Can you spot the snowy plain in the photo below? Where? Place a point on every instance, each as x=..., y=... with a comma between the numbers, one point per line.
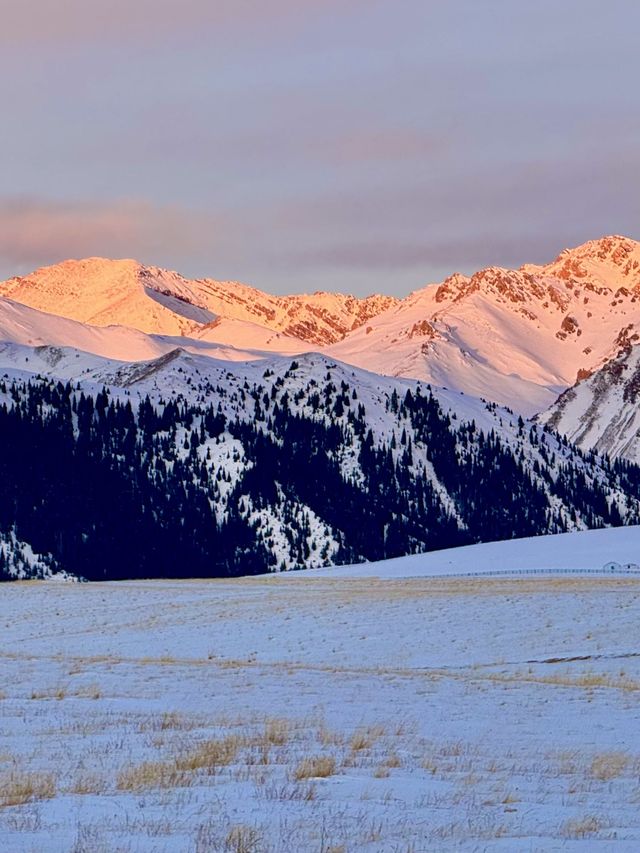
x=323, y=711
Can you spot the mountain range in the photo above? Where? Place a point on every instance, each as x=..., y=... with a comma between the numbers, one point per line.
x=480, y=407
x=517, y=337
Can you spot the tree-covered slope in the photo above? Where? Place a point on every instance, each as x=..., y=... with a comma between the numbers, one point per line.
x=185, y=469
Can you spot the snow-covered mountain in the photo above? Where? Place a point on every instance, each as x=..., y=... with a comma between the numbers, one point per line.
x=105, y=292
x=191, y=465
x=222, y=441
x=22, y=325
x=518, y=337
x=602, y=411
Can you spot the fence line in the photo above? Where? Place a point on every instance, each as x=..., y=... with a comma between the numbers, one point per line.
x=503, y=572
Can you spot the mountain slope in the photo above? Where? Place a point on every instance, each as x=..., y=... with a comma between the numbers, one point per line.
x=21, y=325
x=19, y=562
x=103, y=292
x=188, y=466
x=519, y=337
x=603, y=410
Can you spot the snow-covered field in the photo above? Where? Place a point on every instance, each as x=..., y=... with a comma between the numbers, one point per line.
x=323, y=712
x=584, y=551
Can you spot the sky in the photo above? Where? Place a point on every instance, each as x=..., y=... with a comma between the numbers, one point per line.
x=303, y=145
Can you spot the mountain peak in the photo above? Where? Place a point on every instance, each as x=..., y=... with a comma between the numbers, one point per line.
x=71, y=265
x=614, y=247
x=103, y=291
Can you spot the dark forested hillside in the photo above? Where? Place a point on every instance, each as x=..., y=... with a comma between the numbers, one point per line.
x=298, y=474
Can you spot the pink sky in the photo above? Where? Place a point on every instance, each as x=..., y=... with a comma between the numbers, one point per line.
x=355, y=145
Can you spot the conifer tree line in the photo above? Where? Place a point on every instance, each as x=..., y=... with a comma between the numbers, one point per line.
x=117, y=488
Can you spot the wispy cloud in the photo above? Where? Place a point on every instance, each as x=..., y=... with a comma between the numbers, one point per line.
x=63, y=21
x=35, y=231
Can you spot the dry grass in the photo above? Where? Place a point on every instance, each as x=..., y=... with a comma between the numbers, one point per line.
x=581, y=828
x=430, y=765
x=393, y=760
x=601, y=679
x=567, y=762
x=455, y=749
x=211, y=754
x=168, y=722
x=243, y=839
x=149, y=775
x=208, y=756
x=365, y=738
x=288, y=792
x=58, y=693
x=360, y=740
x=87, y=691
x=272, y=760
x=586, y=680
x=18, y=788
x=317, y=767
x=277, y=731
x=171, y=720
x=89, y=783
x=329, y=737
x=509, y=798
x=609, y=765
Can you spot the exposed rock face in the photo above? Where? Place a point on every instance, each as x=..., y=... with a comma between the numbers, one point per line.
x=569, y=326
x=626, y=338
x=602, y=410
